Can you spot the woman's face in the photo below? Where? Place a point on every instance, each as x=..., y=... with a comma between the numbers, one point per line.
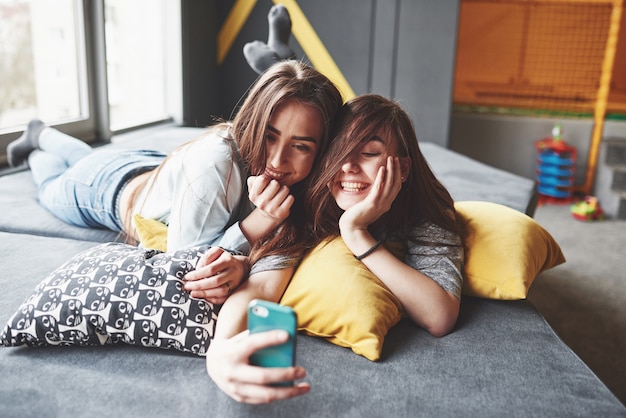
x=355, y=178
x=292, y=138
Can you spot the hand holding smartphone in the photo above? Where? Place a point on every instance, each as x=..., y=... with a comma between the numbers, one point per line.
x=267, y=316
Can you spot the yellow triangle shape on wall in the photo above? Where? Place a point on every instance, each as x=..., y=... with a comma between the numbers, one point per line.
x=303, y=32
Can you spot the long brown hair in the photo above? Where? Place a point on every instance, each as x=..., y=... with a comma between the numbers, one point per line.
x=422, y=198
x=284, y=81
x=289, y=80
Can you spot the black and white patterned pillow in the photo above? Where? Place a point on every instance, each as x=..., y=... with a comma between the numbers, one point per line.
x=116, y=293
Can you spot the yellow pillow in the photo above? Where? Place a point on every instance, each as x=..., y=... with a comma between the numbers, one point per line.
x=506, y=250
x=336, y=297
x=152, y=233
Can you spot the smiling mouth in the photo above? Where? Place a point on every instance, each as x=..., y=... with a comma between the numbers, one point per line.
x=276, y=175
x=352, y=186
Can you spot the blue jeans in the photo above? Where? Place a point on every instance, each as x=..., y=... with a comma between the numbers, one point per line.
x=81, y=185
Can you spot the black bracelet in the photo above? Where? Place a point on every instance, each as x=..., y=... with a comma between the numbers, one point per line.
x=368, y=252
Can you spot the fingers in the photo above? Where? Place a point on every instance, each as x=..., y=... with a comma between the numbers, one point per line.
x=378, y=201
x=259, y=394
x=209, y=257
x=214, y=261
x=228, y=364
x=273, y=197
x=397, y=172
x=216, y=295
x=379, y=181
x=378, y=189
x=258, y=185
x=393, y=177
x=270, y=196
x=388, y=182
x=251, y=181
x=216, y=280
x=265, y=339
x=281, y=211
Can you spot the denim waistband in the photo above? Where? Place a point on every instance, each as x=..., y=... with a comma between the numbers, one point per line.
x=117, y=196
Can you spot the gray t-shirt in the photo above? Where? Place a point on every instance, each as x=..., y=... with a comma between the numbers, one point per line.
x=439, y=255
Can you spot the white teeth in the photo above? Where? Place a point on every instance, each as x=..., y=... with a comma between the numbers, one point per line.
x=352, y=186
x=274, y=175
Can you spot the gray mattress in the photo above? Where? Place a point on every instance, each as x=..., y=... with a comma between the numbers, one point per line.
x=465, y=178
x=503, y=359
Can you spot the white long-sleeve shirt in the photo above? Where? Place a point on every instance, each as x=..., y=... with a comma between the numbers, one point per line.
x=200, y=192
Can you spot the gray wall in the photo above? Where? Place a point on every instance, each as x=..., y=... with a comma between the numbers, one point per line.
x=402, y=49
x=508, y=142
x=405, y=49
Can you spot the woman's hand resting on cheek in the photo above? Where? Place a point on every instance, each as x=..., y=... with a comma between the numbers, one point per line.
x=383, y=192
x=217, y=275
x=227, y=362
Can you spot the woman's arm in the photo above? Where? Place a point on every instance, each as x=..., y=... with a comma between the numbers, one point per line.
x=426, y=303
x=423, y=299
x=218, y=272
x=197, y=191
x=227, y=360
x=272, y=203
x=267, y=285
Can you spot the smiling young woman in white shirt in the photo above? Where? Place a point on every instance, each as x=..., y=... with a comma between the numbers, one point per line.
x=201, y=190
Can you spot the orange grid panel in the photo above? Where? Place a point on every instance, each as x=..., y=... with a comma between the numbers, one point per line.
x=538, y=55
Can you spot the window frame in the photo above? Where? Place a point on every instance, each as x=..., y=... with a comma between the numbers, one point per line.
x=95, y=126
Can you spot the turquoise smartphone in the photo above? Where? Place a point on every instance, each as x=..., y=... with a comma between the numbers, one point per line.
x=266, y=316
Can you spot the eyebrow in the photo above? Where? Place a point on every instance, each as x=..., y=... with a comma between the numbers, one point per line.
x=294, y=137
x=375, y=138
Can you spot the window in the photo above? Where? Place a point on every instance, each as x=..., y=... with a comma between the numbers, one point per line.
x=137, y=54
x=42, y=63
x=89, y=67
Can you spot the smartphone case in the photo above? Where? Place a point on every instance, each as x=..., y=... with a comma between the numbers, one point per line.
x=266, y=316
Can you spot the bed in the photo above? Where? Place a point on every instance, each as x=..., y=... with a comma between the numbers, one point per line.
x=502, y=359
